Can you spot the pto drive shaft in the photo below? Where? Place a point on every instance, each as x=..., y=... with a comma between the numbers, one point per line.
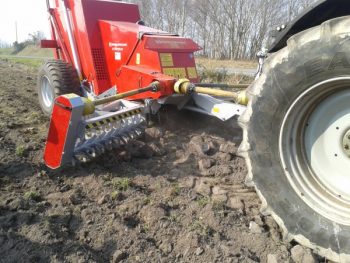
x=89, y=107
x=184, y=86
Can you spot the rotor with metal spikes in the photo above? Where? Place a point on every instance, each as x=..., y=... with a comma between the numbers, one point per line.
x=109, y=136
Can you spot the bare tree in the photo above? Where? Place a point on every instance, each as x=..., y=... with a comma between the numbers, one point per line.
x=234, y=29
x=35, y=37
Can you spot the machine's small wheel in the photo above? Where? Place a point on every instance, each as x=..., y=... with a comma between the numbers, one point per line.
x=296, y=138
x=56, y=78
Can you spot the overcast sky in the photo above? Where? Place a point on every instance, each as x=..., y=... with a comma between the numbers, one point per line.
x=30, y=15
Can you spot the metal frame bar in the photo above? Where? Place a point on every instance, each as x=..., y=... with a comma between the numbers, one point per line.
x=72, y=40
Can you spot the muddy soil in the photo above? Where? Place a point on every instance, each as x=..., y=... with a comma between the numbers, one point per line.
x=177, y=195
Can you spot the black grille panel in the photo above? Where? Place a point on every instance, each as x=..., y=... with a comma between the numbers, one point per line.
x=100, y=64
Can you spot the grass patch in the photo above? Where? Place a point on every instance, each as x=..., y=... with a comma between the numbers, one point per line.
x=38, y=56
x=29, y=50
x=20, y=151
x=146, y=201
x=115, y=195
x=211, y=75
x=32, y=195
x=121, y=184
x=215, y=71
x=6, y=51
x=200, y=228
x=36, y=51
x=144, y=228
x=175, y=190
x=226, y=63
x=158, y=186
x=34, y=63
x=173, y=218
x=221, y=76
x=219, y=205
x=202, y=201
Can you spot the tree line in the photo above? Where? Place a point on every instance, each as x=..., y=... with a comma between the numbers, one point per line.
x=225, y=29
x=32, y=39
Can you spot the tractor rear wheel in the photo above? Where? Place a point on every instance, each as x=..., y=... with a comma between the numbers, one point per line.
x=296, y=138
x=56, y=78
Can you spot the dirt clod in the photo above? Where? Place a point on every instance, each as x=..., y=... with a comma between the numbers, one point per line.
x=139, y=149
x=223, y=157
x=302, y=255
x=254, y=228
x=228, y=148
x=203, y=186
x=104, y=199
x=166, y=248
x=153, y=133
x=236, y=203
x=272, y=258
x=119, y=256
x=205, y=164
x=199, y=251
x=200, y=147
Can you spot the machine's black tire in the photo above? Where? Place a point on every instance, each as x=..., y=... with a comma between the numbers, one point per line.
x=311, y=57
x=61, y=77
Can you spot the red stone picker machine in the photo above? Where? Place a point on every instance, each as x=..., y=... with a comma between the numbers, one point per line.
x=111, y=71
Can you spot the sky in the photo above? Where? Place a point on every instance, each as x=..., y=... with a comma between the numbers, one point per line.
x=31, y=16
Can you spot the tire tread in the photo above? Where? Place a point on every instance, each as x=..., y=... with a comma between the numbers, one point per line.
x=328, y=31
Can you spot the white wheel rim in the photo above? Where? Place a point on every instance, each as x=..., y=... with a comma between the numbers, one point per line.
x=325, y=151
x=312, y=148
x=46, y=92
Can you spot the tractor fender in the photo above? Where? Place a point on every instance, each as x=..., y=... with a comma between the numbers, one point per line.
x=315, y=15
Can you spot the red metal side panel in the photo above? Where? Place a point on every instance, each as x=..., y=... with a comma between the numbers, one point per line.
x=133, y=77
x=61, y=33
x=121, y=39
x=57, y=136
x=84, y=15
x=108, y=39
x=88, y=36
x=48, y=43
x=129, y=55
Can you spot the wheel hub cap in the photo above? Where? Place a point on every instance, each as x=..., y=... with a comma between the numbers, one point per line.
x=346, y=143
x=46, y=92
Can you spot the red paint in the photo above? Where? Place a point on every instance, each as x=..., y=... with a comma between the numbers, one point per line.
x=113, y=51
x=48, y=44
x=133, y=77
x=123, y=50
x=171, y=44
x=56, y=138
x=101, y=29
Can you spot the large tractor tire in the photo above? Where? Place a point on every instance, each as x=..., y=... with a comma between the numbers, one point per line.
x=56, y=78
x=296, y=138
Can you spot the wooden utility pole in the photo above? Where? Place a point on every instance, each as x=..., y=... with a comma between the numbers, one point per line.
x=16, y=32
